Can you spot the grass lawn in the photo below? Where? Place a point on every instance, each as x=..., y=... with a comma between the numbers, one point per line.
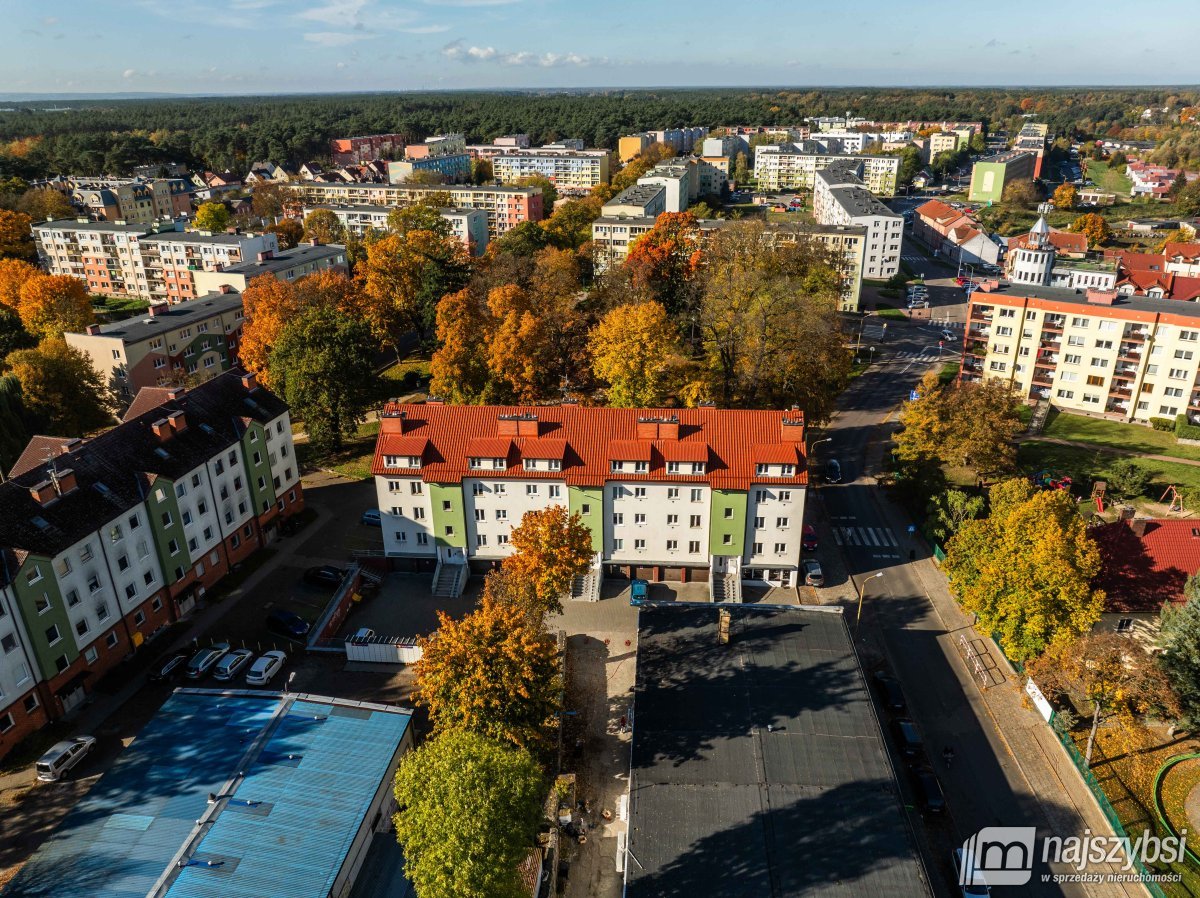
x=407, y=376
x=949, y=372
x=1114, y=181
x=892, y=314
x=354, y=461
x=1102, y=432
x=1086, y=465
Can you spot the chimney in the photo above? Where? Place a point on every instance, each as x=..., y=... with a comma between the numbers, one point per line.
x=527, y=426
x=506, y=425
x=178, y=421
x=157, y=309
x=265, y=255
x=724, y=619
x=647, y=428
x=249, y=380
x=791, y=428
x=162, y=429
x=69, y=446
x=175, y=392
x=43, y=493
x=1101, y=297
x=64, y=481
x=313, y=241
x=668, y=428
x=226, y=288
x=1138, y=526
x=93, y=329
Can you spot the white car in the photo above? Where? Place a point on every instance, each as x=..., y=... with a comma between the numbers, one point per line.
x=231, y=663
x=264, y=669
x=54, y=764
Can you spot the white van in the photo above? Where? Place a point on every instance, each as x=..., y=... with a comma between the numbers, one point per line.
x=54, y=764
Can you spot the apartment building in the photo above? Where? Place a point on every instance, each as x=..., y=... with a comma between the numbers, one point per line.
x=570, y=171
x=285, y=265
x=171, y=345
x=680, y=180
x=128, y=200
x=638, y=201
x=989, y=177
x=941, y=142
x=612, y=235
x=679, y=494
x=1034, y=138
x=793, y=166
x=1093, y=351
x=158, y=262
x=841, y=198
x=712, y=174
x=506, y=207
x=468, y=225
x=352, y=150
x=105, y=541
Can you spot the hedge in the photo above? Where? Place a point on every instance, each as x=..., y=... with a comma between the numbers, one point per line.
x=1163, y=424
x=1184, y=430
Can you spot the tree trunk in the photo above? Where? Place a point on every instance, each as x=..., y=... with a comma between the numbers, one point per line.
x=1087, y=757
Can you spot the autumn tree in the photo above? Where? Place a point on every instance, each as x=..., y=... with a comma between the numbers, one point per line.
x=270, y=199
x=950, y=509
x=470, y=808
x=481, y=171
x=1064, y=196
x=492, y=672
x=45, y=203
x=212, y=217
x=321, y=365
x=664, y=261
x=1178, y=184
x=459, y=367
x=268, y=303
x=288, y=231
x=741, y=169
x=1021, y=194
x=640, y=164
x=1093, y=226
x=16, y=240
x=418, y=217
x=403, y=277
x=323, y=226
x=61, y=389
x=550, y=549
x=631, y=349
x=1111, y=673
x=570, y=226
x=50, y=305
x=1026, y=569
x=13, y=275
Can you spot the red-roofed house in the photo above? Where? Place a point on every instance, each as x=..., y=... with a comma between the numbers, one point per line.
x=1158, y=285
x=954, y=234
x=1183, y=258
x=1145, y=565
x=668, y=494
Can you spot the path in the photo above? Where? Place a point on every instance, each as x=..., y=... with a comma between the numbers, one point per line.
x=1111, y=450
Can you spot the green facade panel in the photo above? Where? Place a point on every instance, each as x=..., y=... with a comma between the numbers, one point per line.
x=449, y=514
x=255, y=440
x=167, y=525
x=36, y=624
x=591, y=497
x=727, y=519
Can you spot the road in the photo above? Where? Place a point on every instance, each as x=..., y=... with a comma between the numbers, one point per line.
x=902, y=631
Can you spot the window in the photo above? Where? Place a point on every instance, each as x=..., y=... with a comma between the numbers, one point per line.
x=7, y=722
x=86, y=554
x=555, y=491
x=52, y=634
x=481, y=539
x=111, y=639
x=1091, y=398
x=31, y=703
x=82, y=626
x=639, y=492
x=102, y=611
x=672, y=520
x=134, y=522
x=173, y=547
x=1099, y=363
x=63, y=566
x=502, y=539
x=423, y=539
x=501, y=514
x=672, y=492
x=1147, y=387
x=192, y=546
x=616, y=466
x=418, y=514
x=756, y=549
x=1173, y=392
x=639, y=545
x=672, y=545
x=780, y=548
x=785, y=495
x=1065, y=394
x=445, y=505
x=585, y=509
x=1103, y=344
x=449, y=530
x=694, y=521
x=1095, y=380
x=1124, y=625
x=672, y=467
x=698, y=467
x=8, y=643
x=618, y=519
x=694, y=547
x=727, y=539
x=1072, y=359
x=1169, y=410
x=1079, y=322
x=416, y=487
x=697, y=495
x=531, y=489
x=781, y=523
x=639, y=518
x=476, y=462
x=1075, y=341
x=1190, y=336
x=641, y=467
x=478, y=489
x=148, y=577
x=618, y=545
x=1185, y=354
x=1004, y=331
x=42, y=604
x=1151, y=369
x=1071, y=377
x=166, y=519
x=1178, y=374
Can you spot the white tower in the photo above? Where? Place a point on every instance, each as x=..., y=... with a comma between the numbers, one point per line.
x=1033, y=263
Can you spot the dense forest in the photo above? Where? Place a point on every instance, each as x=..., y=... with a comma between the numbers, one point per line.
x=111, y=137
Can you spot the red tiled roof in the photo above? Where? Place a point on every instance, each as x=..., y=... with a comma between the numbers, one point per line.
x=395, y=444
x=1189, y=251
x=1146, y=280
x=146, y=399
x=774, y=454
x=1187, y=289
x=36, y=453
x=938, y=211
x=538, y=448
x=593, y=438
x=1063, y=241
x=1136, y=261
x=1142, y=573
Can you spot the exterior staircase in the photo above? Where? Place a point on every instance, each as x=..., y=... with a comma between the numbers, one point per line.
x=726, y=588
x=586, y=588
x=369, y=576
x=1038, y=419
x=449, y=580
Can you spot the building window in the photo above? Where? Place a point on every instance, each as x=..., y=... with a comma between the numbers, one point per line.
x=416, y=487
x=639, y=492
x=423, y=539
x=42, y=604
x=639, y=545
x=585, y=509
x=555, y=491
x=52, y=634
x=139, y=618
x=697, y=495
x=727, y=539
x=694, y=547
x=111, y=639
x=780, y=548
x=673, y=492
x=449, y=530
x=6, y=722
x=672, y=520
x=618, y=544
x=481, y=539
x=757, y=549
x=531, y=489
x=618, y=518
x=672, y=545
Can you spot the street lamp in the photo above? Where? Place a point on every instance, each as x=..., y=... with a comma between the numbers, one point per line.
x=862, y=589
x=817, y=443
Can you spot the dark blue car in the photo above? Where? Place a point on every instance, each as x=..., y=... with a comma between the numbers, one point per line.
x=287, y=623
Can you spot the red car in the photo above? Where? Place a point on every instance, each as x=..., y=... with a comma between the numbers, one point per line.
x=808, y=538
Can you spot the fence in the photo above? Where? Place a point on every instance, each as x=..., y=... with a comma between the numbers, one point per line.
x=383, y=649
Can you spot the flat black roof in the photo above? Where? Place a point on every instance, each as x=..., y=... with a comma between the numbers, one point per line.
x=719, y=805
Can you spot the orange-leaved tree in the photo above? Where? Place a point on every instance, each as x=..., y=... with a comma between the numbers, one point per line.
x=494, y=673
x=459, y=366
x=1094, y=227
x=13, y=275
x=16, y=240
x=1064, y=196
x=665, y=259
x=52, y=304
x=551, y=548
x=268, y=304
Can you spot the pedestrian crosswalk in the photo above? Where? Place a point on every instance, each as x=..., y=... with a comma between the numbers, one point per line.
x=920, y=355
x=864, y=536
x=913, y=259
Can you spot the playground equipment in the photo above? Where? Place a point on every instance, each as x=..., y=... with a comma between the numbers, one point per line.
x=1176, y=506
x=1048, y=479
x=1099, y=488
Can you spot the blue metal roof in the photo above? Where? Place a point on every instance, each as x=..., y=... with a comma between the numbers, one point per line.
x=302, y=770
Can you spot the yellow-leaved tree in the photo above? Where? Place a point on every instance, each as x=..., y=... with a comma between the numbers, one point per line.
x=551, y=548
x=52, y=304
x=632, y=348
x=268, y=304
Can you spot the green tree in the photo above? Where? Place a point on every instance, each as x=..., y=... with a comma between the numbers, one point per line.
x=1179, y=642
x=1026, y=569
x=61, y=390
x=525, y=240
x=14, y=422
x=493, y=672
x=1021, y=194
x=13, y=335
x=469, y=813
x=46, y=203
x=481, y=171
x=212, y=217
x=570, y=227
x=1117, y=161
x=1178, y=184
x=978, y=143
x=1127, y=480
x=741, y=169
x=322, y=367
x=418, y=217
x=950, y=509
x=549, y=191
x=323, y=226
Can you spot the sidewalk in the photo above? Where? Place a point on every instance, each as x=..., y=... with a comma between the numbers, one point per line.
x=99, y=706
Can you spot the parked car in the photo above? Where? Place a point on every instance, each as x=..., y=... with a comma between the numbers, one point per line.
x=265, y=667
x=287, y=623
x=808, y=538
x=980, y=887
x=54, y=764
x=833, y=471
x=908, y=738
x=202, y=662
x=325, y=575
x=638, y=590
x=813, y=575
x=371, y=517
x=166, y=667
x=949, y=336
x=928, y=789
x=231, y=663
x=890, y=693
x=918, y=304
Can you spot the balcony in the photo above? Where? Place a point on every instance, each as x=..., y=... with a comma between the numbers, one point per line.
x=1052, y=341
x=1117, y=406
x=1054, y=325
x=978, y=314
x=1129, y=353
x=1043, y=378
x=983, y=331
x=1120, y=390
x=1047, y=358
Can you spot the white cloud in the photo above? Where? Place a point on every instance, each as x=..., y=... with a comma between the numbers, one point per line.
x=335, y=12
x=334, y=38
x=459, y=52
x=341, y=65
x=129, y=73
x=425, y=29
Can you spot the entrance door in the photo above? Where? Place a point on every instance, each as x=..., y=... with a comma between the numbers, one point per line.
x=73, y=699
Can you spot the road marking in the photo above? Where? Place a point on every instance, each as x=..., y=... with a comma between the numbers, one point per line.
x=873, y=537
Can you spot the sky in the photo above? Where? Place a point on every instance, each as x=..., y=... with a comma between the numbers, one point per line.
x=278, y=46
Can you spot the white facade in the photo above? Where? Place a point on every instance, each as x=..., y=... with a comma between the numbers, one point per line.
x=774, y=527
x=494, y=506
x=406, y=516
x=18, y=670
x=570, y=170
x=656, y=523
x=795, y=166
x=840, y=199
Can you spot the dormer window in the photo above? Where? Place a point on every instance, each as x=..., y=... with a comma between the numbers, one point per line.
x=555, y=464
x=789, y=470
x=672, y=467
x=761, y=470
x=476, y=462
x=641, y=467
x=617, y=466
x=499, y=464
x=698, y=467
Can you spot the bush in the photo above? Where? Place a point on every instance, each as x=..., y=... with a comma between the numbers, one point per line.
x=1163, y=424
x=1184, y=430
